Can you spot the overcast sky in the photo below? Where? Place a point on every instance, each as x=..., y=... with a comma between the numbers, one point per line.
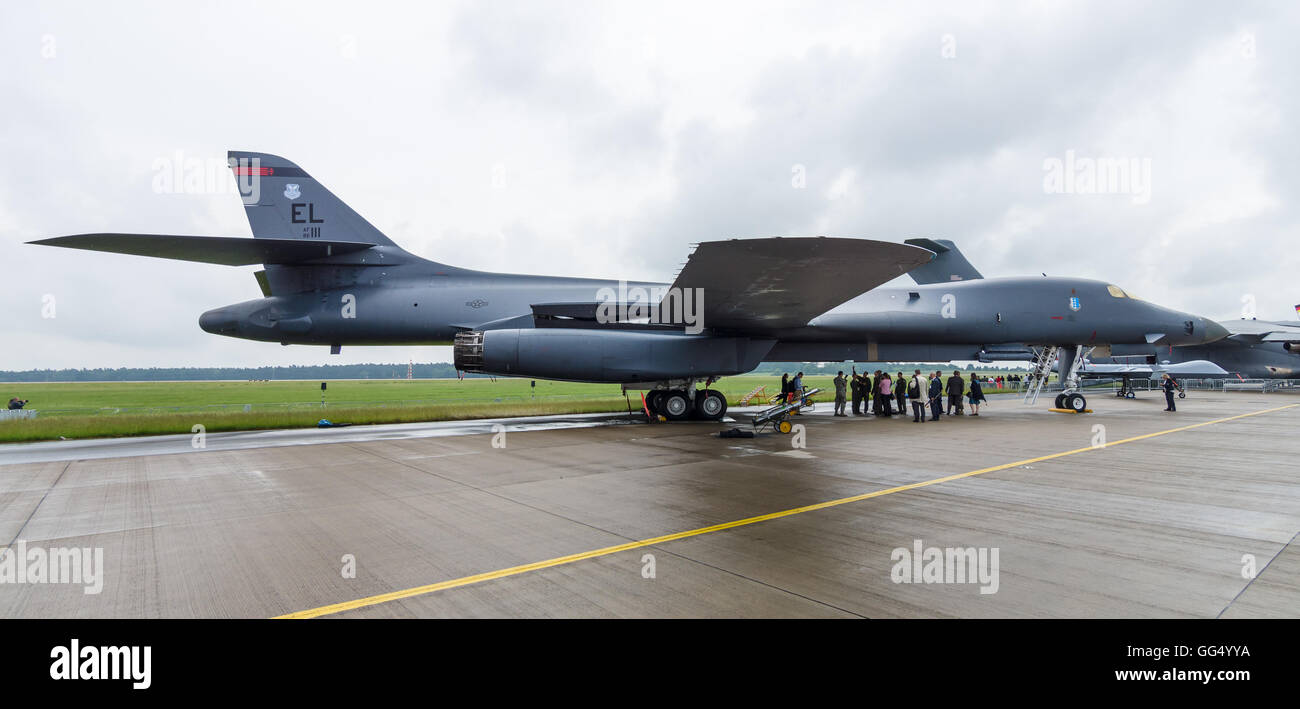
x=602, y=139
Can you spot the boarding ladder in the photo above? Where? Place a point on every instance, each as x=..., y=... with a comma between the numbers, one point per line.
x=1039, y=374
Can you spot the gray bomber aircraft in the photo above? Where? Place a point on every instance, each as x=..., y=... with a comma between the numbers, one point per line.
x=331, y=278
x=1257, y=349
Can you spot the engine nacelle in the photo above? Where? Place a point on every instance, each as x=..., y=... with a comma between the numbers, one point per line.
x=616, y=356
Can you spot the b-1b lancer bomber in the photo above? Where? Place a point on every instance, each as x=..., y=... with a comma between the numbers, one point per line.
x=331, y=278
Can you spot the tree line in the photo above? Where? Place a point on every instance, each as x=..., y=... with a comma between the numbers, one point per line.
x=427, y=370
x=423, y=370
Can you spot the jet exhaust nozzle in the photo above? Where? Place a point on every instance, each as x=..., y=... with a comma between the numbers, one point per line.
x=467, y=351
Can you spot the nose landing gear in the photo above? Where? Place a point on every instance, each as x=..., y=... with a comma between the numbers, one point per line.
x=1072, y=401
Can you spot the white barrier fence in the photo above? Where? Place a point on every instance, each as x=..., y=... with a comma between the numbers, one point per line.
x=12, y=414
x=1145, y=384
x=1221, y=384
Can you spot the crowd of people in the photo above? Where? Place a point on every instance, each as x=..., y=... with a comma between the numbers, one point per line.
x=885, y=395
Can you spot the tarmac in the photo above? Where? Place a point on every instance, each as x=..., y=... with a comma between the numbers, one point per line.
x=1125, y=512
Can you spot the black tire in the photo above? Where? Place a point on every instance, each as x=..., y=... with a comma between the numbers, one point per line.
x=710, y=405
x=1076, y=402
x=1182, y=395
x=1060, y=401
x=676, y=406
x=654, y=401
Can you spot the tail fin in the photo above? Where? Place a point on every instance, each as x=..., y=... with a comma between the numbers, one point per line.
x=283, y=201
x=948, y=265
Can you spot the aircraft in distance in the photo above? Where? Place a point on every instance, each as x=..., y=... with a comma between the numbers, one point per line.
x=331, y=278
x=1254, y=349
x=1126, y=373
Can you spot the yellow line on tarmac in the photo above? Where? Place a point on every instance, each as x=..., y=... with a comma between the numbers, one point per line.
x=605, y=551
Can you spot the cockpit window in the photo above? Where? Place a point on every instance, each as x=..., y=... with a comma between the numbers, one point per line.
x=1115, y=291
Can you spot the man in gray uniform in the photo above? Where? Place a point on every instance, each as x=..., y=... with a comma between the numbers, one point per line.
x=841, y=391
x=858, y=387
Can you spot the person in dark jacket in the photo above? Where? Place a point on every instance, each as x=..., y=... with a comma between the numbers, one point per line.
x=976, y=396
x=785, y=386
x=936, y=395
x=855, y=387
x=956, y=387
x=1167, y=382
x=15, y=403
x=900, y=393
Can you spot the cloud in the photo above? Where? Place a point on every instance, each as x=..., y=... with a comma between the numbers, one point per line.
x=601, y=139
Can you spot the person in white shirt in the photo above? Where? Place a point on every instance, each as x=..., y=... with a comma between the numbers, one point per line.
x=918, y=390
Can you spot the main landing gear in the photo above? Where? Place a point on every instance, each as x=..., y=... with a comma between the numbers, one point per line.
x=683, y=404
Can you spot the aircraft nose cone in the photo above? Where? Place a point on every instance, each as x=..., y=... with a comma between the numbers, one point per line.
x=1214, y=331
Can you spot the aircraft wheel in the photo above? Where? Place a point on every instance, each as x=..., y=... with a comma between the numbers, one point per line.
x=1182, y=395
x=1131, y=395
x=676, y=407
x=710, y=405
x=785, y=426
x=1060, y=401
x=1076, y=402
x=654, y=401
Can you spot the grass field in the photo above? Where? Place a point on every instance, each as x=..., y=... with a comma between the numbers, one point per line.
x=106, y=409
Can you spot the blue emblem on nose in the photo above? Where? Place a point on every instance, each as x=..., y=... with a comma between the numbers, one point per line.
x=1074, y=303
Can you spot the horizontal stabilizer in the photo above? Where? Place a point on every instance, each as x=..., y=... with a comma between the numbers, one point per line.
x=785, y=282
x=223, y=250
